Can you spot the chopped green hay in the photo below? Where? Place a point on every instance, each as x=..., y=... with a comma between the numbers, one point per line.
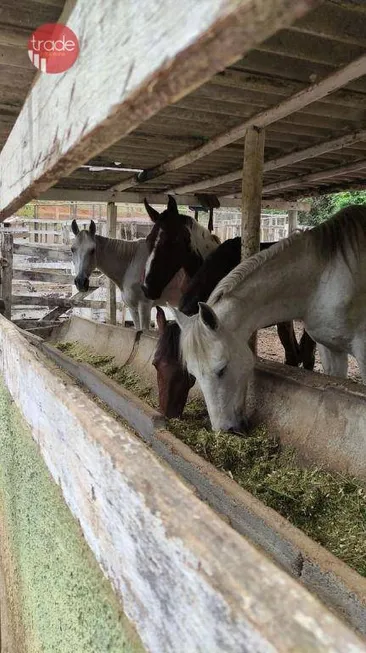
x=123, y=375
x=329, y=507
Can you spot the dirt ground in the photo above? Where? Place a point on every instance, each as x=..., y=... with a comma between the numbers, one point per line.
x=270, y=347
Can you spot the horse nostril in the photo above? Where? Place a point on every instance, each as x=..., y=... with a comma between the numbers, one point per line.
x=144, y=289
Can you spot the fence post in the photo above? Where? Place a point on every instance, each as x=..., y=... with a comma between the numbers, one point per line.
x=6, y=272
x=111, y=310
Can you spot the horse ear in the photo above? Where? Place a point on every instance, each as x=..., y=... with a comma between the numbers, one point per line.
x=182, y=319
x=160, y=319
x=172, y=204
x=208, y=316
x=153, y=213
x=92, y=228
x=74, y=228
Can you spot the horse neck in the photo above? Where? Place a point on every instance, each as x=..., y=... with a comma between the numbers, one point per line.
x=202, y=243
x=278, y=290
x=114, y=256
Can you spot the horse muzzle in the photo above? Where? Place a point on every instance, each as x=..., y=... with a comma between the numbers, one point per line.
x=82, y=283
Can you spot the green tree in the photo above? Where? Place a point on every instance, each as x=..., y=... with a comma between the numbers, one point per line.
x=324, y=206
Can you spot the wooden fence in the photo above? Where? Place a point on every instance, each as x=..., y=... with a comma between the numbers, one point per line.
x=58, y=232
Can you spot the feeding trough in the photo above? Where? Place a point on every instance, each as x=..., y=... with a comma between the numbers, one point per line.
x=285, y=403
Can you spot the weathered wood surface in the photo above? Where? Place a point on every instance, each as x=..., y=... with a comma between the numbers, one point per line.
x=192, y=41
x=6, y=272
x=52, y=277
x=298, y=101
x=278, y=162
x=144, y=525
x=61, y=302
x=111, y=305
x=42, y=252
x=302, y=181
x=292, y=221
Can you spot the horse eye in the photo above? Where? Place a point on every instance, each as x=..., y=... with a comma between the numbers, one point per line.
x=221, y=372
x=73, y=250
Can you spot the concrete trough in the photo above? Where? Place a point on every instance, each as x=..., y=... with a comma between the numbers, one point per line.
x=187, y=580
x=341, y=588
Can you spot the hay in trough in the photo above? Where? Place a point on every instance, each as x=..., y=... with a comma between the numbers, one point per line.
x=329, y=507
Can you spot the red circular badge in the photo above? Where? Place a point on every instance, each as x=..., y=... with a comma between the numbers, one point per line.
x=53, y=48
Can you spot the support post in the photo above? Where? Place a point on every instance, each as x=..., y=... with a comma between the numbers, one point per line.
x=292, y=221
x=111, y=310
x=252, y=197
x=6, y=273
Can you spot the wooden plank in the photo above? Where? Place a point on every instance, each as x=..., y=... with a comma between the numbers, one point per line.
x=278, y=162
x=42, y=252
x=55, y=194
x=252, y=198
x=302, y=181
x=6, y=272
x=266, y=117
x=61, y=302
x=192, y=41
x=50, y=276
x=134, y=510
x=111, y=310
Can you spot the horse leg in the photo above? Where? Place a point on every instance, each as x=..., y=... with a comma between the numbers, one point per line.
x=287, y=336
x=144, y=309
x=135, y=317
x=307, y=351
x=334, y=363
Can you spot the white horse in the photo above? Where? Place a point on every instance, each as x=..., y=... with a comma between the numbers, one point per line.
x=318, y=276
x=124, y=262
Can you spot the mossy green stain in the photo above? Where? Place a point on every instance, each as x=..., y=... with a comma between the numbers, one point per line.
x=67, y=604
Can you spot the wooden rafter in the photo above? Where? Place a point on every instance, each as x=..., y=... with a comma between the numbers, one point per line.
x=305, y=180
x=62, y=194
x=61, y=126
x=279, y=162
x=285, y=108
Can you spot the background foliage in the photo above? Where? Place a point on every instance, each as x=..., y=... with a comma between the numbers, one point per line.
x=324, y=206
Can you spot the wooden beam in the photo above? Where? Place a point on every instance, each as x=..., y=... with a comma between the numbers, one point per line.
x=266, y=117
x=305, y=180
x=278, y=162
x=7, y=272
x=57, y=194
x=42, y=252
x=252, y=198
x=111, y=311
x=292, y=221
x=192, y=41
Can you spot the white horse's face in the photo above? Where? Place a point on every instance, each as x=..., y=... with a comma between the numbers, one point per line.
x=221, y=364
x=83, y=255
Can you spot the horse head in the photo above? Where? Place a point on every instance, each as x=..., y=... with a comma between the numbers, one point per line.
x=220, y=362
x=173, y=379
x=84, y=257
x=168, y=248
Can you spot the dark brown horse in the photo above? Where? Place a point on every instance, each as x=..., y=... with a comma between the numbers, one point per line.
x=174, y=381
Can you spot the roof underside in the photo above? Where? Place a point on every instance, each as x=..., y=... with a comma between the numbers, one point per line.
x=328, y=38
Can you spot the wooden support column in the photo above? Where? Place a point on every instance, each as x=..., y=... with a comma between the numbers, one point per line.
x=111, y=311
x=6, y=273
x=292, y=221
x=252, y=196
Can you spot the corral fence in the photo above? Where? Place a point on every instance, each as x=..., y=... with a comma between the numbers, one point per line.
x=36, y=265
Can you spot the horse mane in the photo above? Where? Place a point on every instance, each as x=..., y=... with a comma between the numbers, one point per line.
x=125, y=249
x=345, y=231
